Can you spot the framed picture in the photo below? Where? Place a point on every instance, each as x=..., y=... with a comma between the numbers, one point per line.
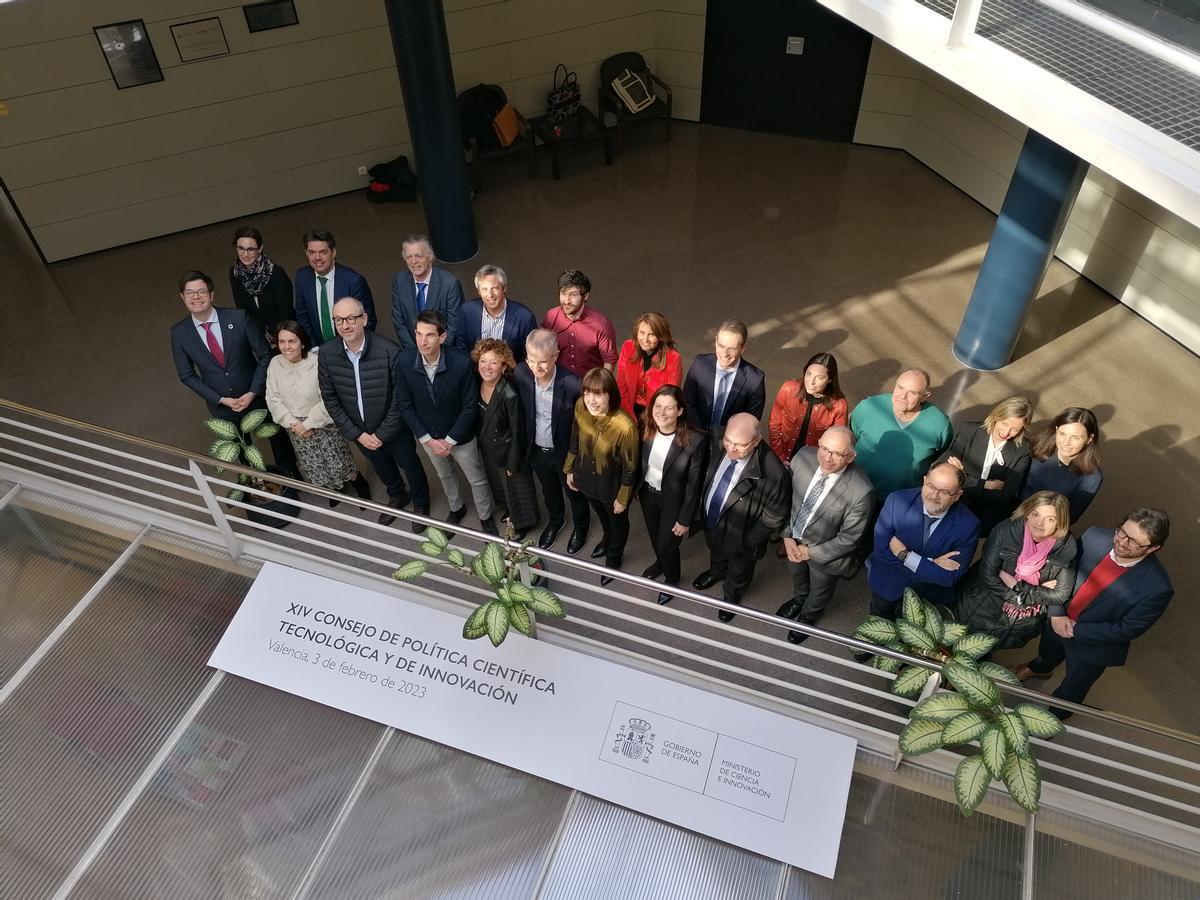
x=129, y=53
x=201, y=39
x=272, y=14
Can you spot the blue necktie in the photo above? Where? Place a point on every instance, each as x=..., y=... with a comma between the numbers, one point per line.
x=722, y=396
x=421, y=297
x=806, y=508
x=717, y=503
x=929, y=523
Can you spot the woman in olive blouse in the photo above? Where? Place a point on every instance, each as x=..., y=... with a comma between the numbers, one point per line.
x=602, y=461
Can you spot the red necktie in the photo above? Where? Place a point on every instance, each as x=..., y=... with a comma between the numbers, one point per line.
x=213, y=347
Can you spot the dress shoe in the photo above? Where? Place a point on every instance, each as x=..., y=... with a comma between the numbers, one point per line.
x=333, y=503
x=664, y=598
x=790, y=610
x=549, y=536
x=652, y=571
x=725, y=616
x=394, y=503
x=862, y=657
x=362, y=487
x=605, y=580
x=488, y=526
x=419, y=527
x=1024, y=673
x=706, y=579
x=519, y=534
x=575, y=544
x=799, y=637
x=601, y=549
x=456, y=515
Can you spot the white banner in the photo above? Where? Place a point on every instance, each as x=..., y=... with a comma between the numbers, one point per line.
x=733, y=771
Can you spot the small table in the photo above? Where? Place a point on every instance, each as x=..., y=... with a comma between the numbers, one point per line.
x=579, y=128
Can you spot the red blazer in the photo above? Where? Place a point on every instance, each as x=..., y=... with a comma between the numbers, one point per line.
x=639, y=385
x=788, y=413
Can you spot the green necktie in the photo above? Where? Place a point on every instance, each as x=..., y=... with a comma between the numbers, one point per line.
x=326, y=320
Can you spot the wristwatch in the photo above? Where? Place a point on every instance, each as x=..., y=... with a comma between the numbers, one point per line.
x=903, y=554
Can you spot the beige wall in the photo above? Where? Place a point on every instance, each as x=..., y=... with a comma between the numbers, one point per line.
x=1135, y=250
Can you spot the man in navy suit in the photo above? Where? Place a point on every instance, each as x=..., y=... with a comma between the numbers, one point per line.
x=322, y=283
x=493, y=315
x=437, y=395
x=424, y=286
x=548, y=393
x=1121, y=589
x=223, y=357
x=924, y=540
x=722, y=384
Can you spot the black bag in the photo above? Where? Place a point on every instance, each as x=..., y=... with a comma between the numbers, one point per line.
x=562, y=101
x=392, y=181
x=477, y=108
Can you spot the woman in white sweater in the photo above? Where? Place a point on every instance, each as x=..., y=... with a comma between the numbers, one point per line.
x=294, y=399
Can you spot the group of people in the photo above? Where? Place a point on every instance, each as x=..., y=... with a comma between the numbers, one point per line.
x=559, y=406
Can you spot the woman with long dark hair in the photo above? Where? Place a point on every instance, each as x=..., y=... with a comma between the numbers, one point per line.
x=674, y=460
x=500, y=427
x=1066, y=459
x=647, y=361
x=259, y=286
x=806, y=406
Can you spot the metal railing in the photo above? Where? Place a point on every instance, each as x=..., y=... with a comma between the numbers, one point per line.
x=1139, y=773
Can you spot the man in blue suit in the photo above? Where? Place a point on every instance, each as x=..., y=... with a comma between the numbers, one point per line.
x=1121, y=589
x=223, y=357
x=722, y=384
x=323, y=283
x=493, y=315
x=924, y=540
x=424, y=286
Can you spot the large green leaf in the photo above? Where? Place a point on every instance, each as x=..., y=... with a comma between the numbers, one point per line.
x=876, y=629
x=915, y=636
x=963, y=729
x=887, y=664
x=435, y=535
x=489, y=565
x=920, y=736
x=912, y=608
x=476, y=624
x=429, y=548
x=221, y=428
x=997, y=672
x=410, y=571
x=252, y=420
x=975, y=646
x=933, y=620
x=940, y=707
x=1015, y=732
x=497, y=621
x=455, y=557
x=225, y=451
x=503, y=595
x=255, y=458
x=971, y=780
x=267, y=430
x=518, y=615
x=910, y=681
x=995, y=749
x=1024, y=781
x=1039, y=722
x=520, y=593
x=237, y=495
x=972, y=685
x=546, y=603
x=954, y=631
x=966, y=661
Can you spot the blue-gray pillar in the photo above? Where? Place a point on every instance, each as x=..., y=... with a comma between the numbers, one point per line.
x=1035, y=210
x=423, y=59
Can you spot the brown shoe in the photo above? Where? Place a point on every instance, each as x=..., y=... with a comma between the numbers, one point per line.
x=1024, y=673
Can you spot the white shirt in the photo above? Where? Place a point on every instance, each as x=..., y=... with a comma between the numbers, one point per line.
x=739, y=468
x=659, y=448
x=991, y=458
x=216, y=328
x=830, y=481
x=543, y=412
x=726, y=373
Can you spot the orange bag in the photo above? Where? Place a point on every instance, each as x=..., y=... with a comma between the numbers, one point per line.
x=506, y=125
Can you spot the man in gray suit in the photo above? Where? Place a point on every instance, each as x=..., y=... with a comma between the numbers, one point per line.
x=424, y=286
x=831, y=508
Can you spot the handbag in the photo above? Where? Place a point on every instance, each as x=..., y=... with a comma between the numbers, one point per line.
x=506, y=125
x=563, y=99
x=633, y=91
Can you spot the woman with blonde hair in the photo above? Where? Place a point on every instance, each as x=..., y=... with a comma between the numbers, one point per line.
x=648, y=360
x=1028, y=565
x=994, y=457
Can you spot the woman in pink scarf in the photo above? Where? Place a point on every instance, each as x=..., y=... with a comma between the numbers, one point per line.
x=1028, y=564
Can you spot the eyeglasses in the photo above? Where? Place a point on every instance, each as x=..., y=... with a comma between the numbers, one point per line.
x=1123, y=536
x=198, y=292
x=939, y=492
x=247, y=249
x=348, y=320
x=745, y=445
x=839, y=454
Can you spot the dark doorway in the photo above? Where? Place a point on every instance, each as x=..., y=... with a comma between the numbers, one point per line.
x=751, y=81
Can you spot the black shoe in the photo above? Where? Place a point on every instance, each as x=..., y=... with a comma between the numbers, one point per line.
x=549, y=536
x=725, y=615
x=519, y=534
x=605, y=580
x=652, y=571
x=664, y=598
x=862, y=657
x=333, y=502
x=706, y=579
x=394, y=503
x=601, y=549
x=488, y=526
x=456, y=515
x=791, y=609
x=575, y=544
x=419, y=527
x=799, y=637
x=362, y=487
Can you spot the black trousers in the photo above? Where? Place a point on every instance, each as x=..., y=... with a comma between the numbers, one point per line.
x=737, y=569
x=615, y=527
x=549, y=475
x=881, y=606
x=1080, y=676
x=387, y=461
x=281, y=446
x=666, y=542
x=812, y=588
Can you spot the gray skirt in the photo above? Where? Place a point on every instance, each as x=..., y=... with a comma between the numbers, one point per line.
x=324, y=457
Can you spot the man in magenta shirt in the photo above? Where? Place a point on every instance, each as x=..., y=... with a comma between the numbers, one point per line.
x=586, y=339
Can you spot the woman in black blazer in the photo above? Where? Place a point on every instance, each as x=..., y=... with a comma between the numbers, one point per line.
x=674, y=459
x=994, y=497
x=259, y=286
x=500, y=427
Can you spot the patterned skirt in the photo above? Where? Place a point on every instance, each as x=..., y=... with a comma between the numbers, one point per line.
x=324, y=458
x=515, y=493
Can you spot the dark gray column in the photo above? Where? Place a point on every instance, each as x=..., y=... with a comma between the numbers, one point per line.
x=423, y=59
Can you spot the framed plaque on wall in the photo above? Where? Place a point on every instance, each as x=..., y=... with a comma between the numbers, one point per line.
x=129, y=53
x=272, y=14
x=201, y=39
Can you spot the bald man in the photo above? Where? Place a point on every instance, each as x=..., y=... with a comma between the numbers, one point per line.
x=745, y=501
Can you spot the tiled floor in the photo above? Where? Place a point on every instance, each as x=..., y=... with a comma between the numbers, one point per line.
x=856, y=250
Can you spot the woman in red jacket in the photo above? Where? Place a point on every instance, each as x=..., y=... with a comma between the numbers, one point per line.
x=805, y=407
x=647, y=362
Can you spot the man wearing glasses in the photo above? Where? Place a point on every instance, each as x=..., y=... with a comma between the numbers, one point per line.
x=831, y=506
x=924, y=539
x=1121, y=589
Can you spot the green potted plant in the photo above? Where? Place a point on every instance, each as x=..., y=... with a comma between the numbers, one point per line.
x=972, y=712
x=235, y=444
x=507, y=570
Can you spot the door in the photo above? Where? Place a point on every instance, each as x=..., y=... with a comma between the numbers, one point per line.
x=751, y=81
